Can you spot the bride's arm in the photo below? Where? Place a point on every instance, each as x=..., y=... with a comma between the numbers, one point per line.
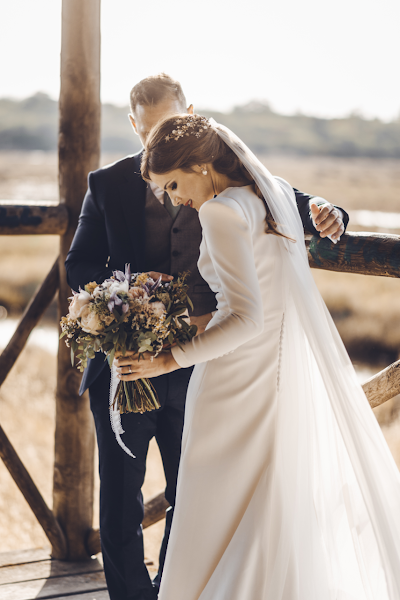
x=230, y=246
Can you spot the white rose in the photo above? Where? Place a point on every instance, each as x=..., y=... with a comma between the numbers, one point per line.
x=158, y=308
x=78, y=302
x=97, y=291
x=90, y=321
x=119, y=286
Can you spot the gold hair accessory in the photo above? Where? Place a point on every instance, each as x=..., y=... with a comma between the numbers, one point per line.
x=191, y=125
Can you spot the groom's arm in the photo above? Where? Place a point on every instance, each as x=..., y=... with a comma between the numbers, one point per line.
x=303, y=204
x=88, y=256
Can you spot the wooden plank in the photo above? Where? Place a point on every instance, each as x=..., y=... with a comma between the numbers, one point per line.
x=28, y=219
x=363, y=252
x=384, y=385
x=154, y=510
x=79, y=153
x=32, y=495
x=54, y=587
x=32, y=314
x=24, y=556
x=103, y=595
x=46, y=569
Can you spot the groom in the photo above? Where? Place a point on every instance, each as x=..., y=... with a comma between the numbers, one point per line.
x=124, y=220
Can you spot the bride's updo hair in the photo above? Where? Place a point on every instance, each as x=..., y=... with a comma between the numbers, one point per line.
x=182, y=141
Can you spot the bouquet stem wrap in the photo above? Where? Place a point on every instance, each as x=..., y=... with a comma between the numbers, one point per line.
x=136, y=396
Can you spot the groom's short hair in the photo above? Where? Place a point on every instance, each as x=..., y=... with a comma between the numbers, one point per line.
x=155, y=89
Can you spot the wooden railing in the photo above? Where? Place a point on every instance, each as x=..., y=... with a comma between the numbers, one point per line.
x=69, y=525
x=356, y=253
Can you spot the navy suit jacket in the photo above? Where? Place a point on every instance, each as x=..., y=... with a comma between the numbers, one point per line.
x=111, y=232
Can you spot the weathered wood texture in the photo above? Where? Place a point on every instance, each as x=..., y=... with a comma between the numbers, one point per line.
x=29, y=574
x=19, y=557
x=32, y=314
x=154, y=511
x=70, y=586
x=32, y=495
x=24, y=219
x=364, y=253
x=45, y=569
x=79, y=150
x=384, y=385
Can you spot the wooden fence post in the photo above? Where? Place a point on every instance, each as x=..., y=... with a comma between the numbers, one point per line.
x=79, y=150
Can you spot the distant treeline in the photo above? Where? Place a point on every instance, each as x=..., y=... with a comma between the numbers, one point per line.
x=31, y=124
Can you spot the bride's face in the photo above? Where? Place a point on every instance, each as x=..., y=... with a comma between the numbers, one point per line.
x=190, y=189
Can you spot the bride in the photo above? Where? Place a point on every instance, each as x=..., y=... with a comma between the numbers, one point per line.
x=280, y=449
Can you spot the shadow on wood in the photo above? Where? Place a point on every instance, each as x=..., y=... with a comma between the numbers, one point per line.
x=33, y=574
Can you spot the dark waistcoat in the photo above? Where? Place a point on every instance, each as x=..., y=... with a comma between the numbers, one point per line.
x=172, y=247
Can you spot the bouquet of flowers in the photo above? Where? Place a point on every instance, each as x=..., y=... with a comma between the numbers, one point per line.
x=128, y=313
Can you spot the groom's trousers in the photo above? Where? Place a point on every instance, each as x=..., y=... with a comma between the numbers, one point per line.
x=121, y=479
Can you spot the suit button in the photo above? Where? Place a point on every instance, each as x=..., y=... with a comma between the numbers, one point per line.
x=175, y=253
x=175, y=230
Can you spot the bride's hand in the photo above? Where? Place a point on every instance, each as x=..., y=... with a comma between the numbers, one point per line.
x=129, y=368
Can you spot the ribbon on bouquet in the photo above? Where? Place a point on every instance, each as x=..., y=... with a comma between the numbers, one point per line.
x=115, y=416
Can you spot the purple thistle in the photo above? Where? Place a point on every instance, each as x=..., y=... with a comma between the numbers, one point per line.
x=114, y=301
x=120, y=276
x=151, y=288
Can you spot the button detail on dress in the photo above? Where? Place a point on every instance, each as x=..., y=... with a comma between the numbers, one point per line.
x=175, y=230
x=175, y=253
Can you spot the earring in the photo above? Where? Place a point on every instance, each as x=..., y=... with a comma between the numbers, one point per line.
x=204, y=172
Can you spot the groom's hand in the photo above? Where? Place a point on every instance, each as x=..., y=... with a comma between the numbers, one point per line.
x=328, y=220
x=164, y=278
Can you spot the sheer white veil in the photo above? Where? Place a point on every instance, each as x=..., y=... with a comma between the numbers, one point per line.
x=335, y=482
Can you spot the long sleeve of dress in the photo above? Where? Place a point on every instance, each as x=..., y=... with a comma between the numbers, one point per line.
x=229, y=244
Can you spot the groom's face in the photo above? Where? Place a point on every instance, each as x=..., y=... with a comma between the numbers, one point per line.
x=146, y=116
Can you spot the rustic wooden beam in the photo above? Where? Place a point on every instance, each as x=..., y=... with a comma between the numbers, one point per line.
x=32, y=495
x=154, y=511
x=79, y=152
x=28, y=219
x=32, y=314
x=384, y=385
x=364, y=253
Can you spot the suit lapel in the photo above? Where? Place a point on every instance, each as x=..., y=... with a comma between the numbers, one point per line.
x=132, y=190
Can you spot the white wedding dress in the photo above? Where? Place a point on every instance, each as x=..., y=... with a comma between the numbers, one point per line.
x=286, y=488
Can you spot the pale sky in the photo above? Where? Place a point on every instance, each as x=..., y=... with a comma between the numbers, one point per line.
x=318, y=57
